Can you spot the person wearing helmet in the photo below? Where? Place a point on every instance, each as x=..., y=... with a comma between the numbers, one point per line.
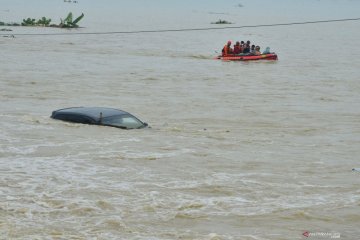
x=227, y=49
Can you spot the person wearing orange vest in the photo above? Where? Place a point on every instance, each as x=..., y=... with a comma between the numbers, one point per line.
x=237, y=48
x=227, y=49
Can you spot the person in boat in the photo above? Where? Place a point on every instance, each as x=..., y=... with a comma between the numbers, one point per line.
x=227, y=49
x=257, y=50
x=242, y=44
x=237, y=48
x=247, y=47
x=252, y=50
x=267, y=50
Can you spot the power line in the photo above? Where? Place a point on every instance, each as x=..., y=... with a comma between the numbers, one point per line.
x=183, y=29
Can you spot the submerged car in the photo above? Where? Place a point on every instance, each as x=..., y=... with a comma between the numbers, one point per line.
x=99, y=116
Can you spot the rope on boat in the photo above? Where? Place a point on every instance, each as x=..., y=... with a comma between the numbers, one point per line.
x=183, y=29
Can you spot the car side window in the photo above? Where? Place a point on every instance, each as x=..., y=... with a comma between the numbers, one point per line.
x=74, y=118
x=123, y=121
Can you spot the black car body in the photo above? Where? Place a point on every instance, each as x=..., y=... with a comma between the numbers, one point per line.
x=99, y=116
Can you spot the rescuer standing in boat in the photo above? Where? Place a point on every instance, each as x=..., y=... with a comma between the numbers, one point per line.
x=227, y=49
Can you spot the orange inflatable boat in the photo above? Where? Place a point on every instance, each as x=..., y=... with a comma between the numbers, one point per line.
x=240, y=57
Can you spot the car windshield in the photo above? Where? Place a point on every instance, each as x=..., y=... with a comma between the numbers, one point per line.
x=122, y=121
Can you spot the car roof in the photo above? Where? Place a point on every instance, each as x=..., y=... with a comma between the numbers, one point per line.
x=93, y=112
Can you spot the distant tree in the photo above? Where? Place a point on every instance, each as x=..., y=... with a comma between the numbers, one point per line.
x=68, y=21
x=44, y=21
x=28, y=22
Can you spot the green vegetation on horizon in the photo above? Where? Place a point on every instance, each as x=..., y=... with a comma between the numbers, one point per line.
x=68, y=21
x=221, y=22
x=9, y=24
x=45, y=22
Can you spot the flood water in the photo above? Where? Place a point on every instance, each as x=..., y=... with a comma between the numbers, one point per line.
x=236, y=150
